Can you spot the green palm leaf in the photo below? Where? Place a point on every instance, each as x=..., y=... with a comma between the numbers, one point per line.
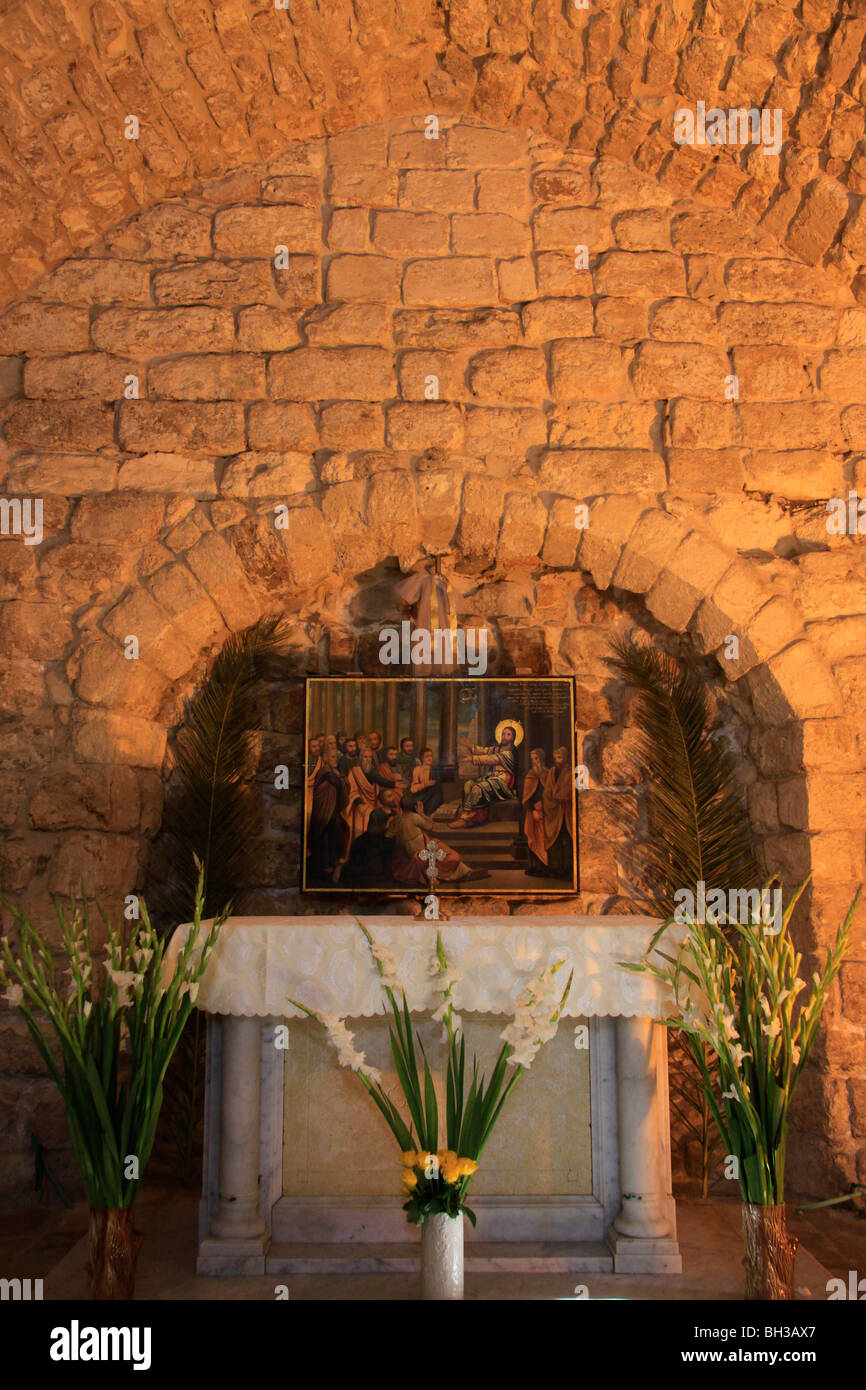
x=699, y=831
x=699, y=827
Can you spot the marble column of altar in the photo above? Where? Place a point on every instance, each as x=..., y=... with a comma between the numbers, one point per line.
x=641, y=1234
x=238, y=1235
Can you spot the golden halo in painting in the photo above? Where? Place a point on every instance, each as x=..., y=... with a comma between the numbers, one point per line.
x=514, y=724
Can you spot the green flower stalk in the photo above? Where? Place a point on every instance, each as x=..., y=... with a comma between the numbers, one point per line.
x=117, y=1022
x=436, y=1179
x=737, y=987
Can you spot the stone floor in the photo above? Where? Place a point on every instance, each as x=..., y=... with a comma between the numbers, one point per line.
x=48, y=1242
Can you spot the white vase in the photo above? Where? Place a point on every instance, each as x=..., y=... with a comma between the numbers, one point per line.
x=442, y=1256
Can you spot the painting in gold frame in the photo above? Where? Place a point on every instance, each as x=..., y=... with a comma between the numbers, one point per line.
x=485, y=768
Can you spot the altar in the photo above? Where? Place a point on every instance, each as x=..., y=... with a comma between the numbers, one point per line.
x=599, y=1196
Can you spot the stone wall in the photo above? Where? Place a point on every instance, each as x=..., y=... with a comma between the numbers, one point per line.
x=563, y=380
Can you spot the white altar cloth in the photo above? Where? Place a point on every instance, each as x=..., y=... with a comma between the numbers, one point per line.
x=325, y=962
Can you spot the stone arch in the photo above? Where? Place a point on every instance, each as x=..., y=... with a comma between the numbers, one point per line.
x=223, y=88
x=208, y=559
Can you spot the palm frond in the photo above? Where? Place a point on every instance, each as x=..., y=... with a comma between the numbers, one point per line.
x=699, y=828
x=212, y=809
x=699, y=832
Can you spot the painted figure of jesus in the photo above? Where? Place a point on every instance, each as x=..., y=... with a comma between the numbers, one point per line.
x=498, y=782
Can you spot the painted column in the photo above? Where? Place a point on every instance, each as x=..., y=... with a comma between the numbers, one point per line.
x=368, y=705
x=330, y=720
x=238, y=1218
x=391, y=727
x=642, y=1214
x=448, y=730
x=419, y=717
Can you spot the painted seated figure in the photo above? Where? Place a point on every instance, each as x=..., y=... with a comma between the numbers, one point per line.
x=498, y=782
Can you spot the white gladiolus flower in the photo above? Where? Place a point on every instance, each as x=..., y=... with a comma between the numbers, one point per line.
x=193, y=991
x=795, y=1053
x=729, y=1025
x=737, y=1055
x=124, y=979
x=14, y=995
x=773, y=1029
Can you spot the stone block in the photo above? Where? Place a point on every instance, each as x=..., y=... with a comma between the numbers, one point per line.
x=456, y=328
x=621, y=320
x=489, y=234
x=204, y=427
x=259, y=230
x=239, y=376
x=509, y=374
x=349, y=373
x=153, y=332
x=693, y=570
x=219, y=283
x=797, y=474
x=585, y=369
x=567, y=229
x=84, y=374
x=591, y=472
x=517, y=283
x=767, y=280
x=771, y=373
x=667, y=370
x=435, y=189
x=524, y=522
x=605, y=425
x=365, y=185
x=652, y=274
x=654, y=538
x=364, y=277
x=35, y=630
x=483, y=501
x=611, y=522
x=117, y=520
x=59, y=425
x=454, y=281
x=33, y=327
x=95, y=281
x=425, y=425
x=349, y=229
x=352, y=425
x=357, y=322
x=86, y=798
x=558, y=275
x=440, y=373
x=499, y=190
x=126, y=739
x=281, y=425
x=473, y=147
x=263, y=329
x=545, y=319
x=790, y=425
x=683, y=321
x=562, y=537
x=503, y=431
x=274, y=474
x=299, y=284
x=216, y=566
x=101, y=863
x=778, y=323
x=403, y=234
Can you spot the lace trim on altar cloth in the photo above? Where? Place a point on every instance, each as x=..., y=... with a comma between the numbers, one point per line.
x=325, y=962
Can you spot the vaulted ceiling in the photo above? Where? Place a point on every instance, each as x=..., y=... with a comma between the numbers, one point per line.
x=215, y=85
